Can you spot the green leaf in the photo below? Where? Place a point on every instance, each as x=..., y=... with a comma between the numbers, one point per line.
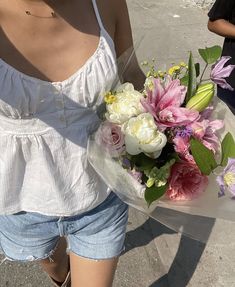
x=192, y=80
x=210, y=55
x=197, y=68
x=184, y=81
x=153, y=193
x=228, y=149
x=143, y=162
x=203, y=157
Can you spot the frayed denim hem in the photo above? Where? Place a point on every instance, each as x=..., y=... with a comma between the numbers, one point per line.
x=30, y=258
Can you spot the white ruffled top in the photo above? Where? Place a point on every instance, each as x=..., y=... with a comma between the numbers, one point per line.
x=44, y=128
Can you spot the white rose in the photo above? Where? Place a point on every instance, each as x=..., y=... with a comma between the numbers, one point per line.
x=142, y=135
x=126, y=105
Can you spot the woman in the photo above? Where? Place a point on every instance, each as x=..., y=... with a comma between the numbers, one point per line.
x=56, y=57
x=222, y=22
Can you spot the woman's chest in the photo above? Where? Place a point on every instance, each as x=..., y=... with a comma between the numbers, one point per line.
x=48, y=56
x=51, y=48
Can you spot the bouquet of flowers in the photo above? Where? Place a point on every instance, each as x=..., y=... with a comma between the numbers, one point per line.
x=162, y=143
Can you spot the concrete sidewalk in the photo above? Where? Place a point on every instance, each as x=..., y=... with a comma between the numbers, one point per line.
x=156, y=256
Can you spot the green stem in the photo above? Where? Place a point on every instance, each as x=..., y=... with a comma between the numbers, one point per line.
x=203, y=73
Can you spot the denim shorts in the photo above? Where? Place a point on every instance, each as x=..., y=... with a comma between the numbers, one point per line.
x=96, y=234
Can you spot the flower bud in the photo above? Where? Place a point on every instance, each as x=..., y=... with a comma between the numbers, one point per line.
x=205, y=87
x=202, y=98
x=150, y=182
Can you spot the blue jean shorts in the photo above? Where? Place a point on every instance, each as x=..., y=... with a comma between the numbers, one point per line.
x=96, y=234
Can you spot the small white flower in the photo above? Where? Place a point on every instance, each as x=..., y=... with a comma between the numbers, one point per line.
x=142, y=135
x=126, y=105
x=149, y=83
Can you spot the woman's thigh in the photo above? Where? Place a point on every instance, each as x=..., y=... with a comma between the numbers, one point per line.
x=95, y=248
x=92, y=273
x=100, y=233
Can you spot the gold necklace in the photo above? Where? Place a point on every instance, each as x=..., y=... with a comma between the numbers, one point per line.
x=53, y=15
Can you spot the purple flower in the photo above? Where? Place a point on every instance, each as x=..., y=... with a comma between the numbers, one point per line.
x=186, y=132
x=227, y=178
x=136, y=174
x=219, y=72
x=206, y=131
x=126, y=163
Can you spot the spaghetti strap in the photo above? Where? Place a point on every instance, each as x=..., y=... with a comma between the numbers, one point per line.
x=98, y=15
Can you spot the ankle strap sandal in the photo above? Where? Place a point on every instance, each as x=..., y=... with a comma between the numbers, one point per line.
x=66, y=283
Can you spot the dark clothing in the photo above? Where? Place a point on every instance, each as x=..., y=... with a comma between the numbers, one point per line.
x=225, y=9
x=228, y=97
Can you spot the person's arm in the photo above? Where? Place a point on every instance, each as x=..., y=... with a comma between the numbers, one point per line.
x=124, y=46
x=219, y=18
x=222, y=27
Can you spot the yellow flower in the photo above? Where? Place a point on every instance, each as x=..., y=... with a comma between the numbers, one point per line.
x=173, y=70
x=177, y=68
x=109, y=98
x=182, y=64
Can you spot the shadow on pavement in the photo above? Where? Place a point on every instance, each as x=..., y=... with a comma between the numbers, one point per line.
x=187, y=256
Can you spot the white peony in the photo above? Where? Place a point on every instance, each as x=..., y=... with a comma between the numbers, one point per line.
x=142, y=135
x=126, y=105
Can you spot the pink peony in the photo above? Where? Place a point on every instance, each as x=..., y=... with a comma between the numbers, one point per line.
x=186, y=182
x=111, y=137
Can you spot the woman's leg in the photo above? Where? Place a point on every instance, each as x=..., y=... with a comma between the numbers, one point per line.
x=95, y=243
x=57, y=266
x=92, y=273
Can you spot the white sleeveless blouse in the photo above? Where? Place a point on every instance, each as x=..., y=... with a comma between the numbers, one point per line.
x=44, y=128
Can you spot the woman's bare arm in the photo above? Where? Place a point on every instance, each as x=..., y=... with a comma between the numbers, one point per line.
x=124, y=46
